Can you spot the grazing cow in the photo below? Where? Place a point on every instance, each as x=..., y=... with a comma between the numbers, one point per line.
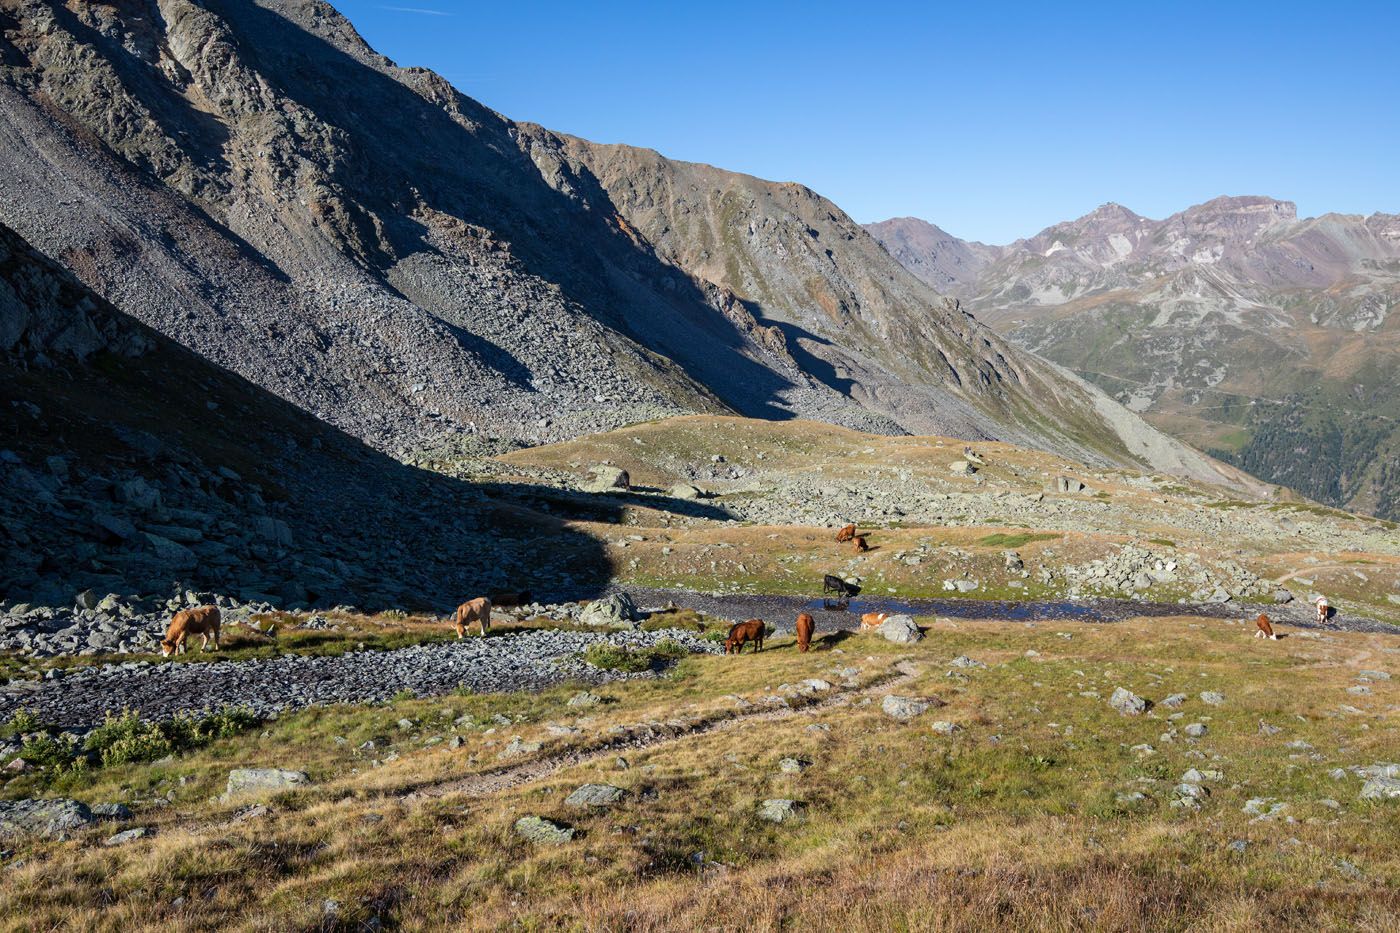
x=805, y=626
x=522, y=598
x=203, y=621
x=1323, y=610
x=838, y=586
x=750, y=631
x=1266, y=629
x=870, y=621
x=474, y=610
x=845, y=534
x=859, y=545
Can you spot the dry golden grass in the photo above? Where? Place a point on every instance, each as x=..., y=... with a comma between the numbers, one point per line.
x=1012, y=822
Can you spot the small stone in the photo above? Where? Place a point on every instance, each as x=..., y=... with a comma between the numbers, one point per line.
x=1212, y=698
x=793, y=765
x=1127, y=703
x=906, y=708
x=1175, y=700
x=780, y=810
x=1238, y=846
x=596, y=795
x=584, y=698
x=1381, y=788
x=1195, y=730
x=942, y=727
x=543, y=831
x=127, y=835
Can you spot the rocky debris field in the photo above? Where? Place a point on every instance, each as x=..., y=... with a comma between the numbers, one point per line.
x=513, y=661
x=111, y=624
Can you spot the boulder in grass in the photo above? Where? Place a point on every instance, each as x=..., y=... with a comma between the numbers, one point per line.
x=615, y=611
x=604, y=478
x=900, y=629
x=1127, y=702
x=52, y=818
x=250, y=781
x=596, y=795
x=906, y=708
x=543, y=831
x=781, y=810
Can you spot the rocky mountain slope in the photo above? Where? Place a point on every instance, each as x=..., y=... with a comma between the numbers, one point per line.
x=1233, y=325
x=410, y=266
x=133, y=467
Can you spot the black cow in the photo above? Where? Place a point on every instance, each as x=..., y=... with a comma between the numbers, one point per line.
x=838, y=586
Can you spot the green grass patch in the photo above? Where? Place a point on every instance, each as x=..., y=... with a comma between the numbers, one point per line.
x=1015, y=540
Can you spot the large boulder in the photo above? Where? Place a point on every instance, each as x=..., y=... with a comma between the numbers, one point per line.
x=615, y=611
x=900, y=629
x=50, y=818
x=606, y=478
x=249, y=781
x=686, y=491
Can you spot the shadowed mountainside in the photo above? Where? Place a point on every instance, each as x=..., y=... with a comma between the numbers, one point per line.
x=364, y=241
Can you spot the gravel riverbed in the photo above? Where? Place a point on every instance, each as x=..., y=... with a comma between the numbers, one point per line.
x=524, y=661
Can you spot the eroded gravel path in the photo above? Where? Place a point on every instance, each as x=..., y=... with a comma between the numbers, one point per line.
x=502, y=779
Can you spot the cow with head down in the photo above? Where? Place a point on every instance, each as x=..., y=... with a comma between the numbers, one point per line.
x=474, y=610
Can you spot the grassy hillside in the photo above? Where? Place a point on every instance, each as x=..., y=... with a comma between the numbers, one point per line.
x=1040, y=806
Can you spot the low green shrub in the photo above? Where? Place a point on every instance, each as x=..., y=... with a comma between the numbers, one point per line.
x=125, y=738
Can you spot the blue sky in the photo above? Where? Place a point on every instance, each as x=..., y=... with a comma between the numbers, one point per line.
x=991, y=120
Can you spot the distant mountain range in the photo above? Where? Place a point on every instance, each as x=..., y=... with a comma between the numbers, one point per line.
x=1234, y=325
x=253, y=181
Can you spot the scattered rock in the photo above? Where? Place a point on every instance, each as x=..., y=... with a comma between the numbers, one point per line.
x=1195, y=730
x=584, y=698
x=943, y=727
x=50, y=818
x=900, y=629
x=793, y=765
x=1127, y=702
x=127, y=835
x=781, y=810
x=244, y=781
x=540, y=830
x=615, y=611
x=606, y=479
x=1212, y=698
x=596, y=795
x=906, y=708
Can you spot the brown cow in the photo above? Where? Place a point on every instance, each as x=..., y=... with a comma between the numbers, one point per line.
x=750, y=631
x=203, y=621
x=805, y=626
x=474, y=610
x=858, y=544
x=1266, y=629
x=845, y=534
x=872, y=620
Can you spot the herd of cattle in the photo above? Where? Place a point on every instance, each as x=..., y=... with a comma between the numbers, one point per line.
x=204, y=621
